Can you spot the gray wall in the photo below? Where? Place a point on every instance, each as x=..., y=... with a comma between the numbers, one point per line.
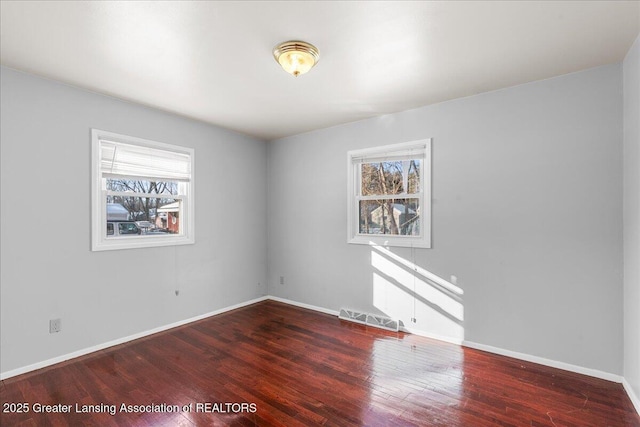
x=631, y=72
x=48, y=270
x=527, y=213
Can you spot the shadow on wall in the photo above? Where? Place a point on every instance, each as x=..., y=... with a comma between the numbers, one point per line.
x=406, y=291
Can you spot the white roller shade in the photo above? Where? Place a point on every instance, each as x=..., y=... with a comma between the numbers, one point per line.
x=408, y=152
x=125, y=160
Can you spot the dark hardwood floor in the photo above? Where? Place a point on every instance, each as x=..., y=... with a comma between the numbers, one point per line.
x=271, y=364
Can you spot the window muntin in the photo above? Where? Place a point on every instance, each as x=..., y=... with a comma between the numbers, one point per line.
x=376, y=217
x=389, y=197
x=142, y=193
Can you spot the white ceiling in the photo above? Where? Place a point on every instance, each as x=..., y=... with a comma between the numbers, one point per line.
x=212, y=61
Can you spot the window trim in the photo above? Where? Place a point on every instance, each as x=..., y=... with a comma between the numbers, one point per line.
x=424, y=197
x=99, y=240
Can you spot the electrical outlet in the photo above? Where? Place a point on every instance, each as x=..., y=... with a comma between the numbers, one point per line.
x=282, y=280
x=55, y=325
x=413, y=319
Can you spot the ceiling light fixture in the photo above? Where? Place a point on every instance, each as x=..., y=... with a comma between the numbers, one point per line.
x=296, y=57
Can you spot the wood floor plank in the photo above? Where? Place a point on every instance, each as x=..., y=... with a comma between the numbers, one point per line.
x=297, y=367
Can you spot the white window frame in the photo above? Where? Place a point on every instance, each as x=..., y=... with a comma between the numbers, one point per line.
x=99, y=240
x=354, y=159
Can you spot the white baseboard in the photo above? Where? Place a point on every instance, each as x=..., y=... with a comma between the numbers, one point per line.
x=547, y=362
x=635, y=399
x=303, y=305
x=419, y=332
x=53, y=361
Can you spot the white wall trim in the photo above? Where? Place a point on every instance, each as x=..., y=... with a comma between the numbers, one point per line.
x=64, y=357
x=419, y=332
x=547, y=362
x=303, y=305
x=632, y=395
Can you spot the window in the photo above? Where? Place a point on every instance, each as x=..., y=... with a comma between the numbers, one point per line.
x=390, y=195
x=142, y=192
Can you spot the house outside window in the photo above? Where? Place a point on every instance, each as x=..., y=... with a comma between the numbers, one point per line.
x=142, y=192
x=389, y=195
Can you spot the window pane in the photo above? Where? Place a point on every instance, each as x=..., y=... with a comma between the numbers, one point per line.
x=388, y=178
x=142, y=215
x=142, y=186
x=415, y=169
x=394, y=217
x=382, y=178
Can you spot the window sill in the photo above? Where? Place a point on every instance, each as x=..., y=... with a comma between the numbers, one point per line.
x=119, y=243
x=392, y=241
